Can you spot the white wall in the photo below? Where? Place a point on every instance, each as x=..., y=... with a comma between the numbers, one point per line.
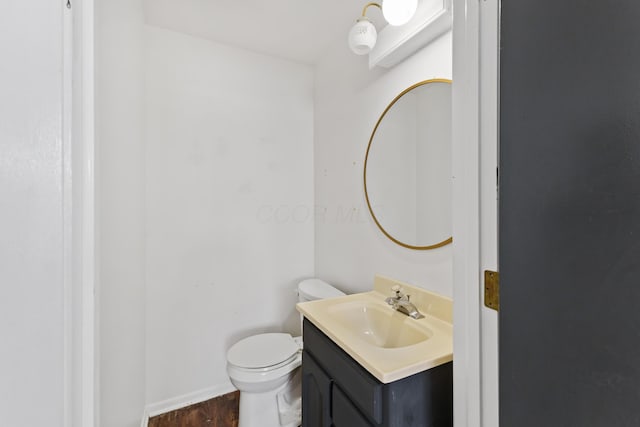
x=206, y=198
x=32, y=353
x=120, y=211
x=349, y=249
x=229, y=204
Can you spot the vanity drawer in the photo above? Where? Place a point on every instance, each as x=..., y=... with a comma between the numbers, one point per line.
x=362, y=388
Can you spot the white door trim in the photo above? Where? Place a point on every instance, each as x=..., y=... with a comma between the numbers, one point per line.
x=80, y=407
x=69, y=218
x=489, y=86
x=466, y=215
x=475, y=136
x=89, y=394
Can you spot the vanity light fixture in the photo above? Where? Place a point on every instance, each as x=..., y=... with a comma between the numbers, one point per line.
x=399, y=12
x=363, y=35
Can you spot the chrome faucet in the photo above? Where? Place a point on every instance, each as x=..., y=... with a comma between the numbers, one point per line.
x=401, y=303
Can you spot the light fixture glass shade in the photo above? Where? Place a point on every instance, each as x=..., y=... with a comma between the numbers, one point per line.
x=362, y=37
x=399, y=12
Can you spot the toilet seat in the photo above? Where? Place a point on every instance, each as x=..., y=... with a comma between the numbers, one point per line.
x=290, y=360
x=264, y=360
x=251, y=379
x=263, y=352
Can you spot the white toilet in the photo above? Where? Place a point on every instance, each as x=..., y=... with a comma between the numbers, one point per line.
x=265, y=368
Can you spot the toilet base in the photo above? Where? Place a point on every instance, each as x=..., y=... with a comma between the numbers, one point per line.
x=272, y=408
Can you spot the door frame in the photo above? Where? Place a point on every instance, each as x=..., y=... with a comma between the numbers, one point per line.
x=90, y=355
x=475, y=154
x=474, y=223
x=81, y=395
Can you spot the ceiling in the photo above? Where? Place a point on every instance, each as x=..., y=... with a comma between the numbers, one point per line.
x=298, y=30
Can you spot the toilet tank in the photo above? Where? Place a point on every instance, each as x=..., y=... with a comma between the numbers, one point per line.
x=313, y=289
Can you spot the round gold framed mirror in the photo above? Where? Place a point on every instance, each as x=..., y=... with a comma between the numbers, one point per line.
x=407, y=167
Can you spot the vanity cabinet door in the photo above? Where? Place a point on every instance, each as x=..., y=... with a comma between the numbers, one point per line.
x=337, y=391
x=316, y=394
x=362, y=388
x=345, y=413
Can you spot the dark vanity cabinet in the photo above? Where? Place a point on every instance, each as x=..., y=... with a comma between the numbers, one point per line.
x=337, y=391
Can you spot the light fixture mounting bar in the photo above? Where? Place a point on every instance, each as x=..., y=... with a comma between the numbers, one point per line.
x=366, y=6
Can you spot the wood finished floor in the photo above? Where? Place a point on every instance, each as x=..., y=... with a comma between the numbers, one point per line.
x=218, y=412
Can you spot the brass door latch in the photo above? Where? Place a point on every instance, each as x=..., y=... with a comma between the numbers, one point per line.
x=492, y=289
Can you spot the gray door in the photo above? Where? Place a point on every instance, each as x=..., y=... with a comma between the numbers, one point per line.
x=569, y=244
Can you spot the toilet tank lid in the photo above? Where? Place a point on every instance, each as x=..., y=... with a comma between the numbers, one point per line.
x=313, y=289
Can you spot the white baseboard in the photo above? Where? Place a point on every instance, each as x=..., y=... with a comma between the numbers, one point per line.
x=178, y=402
x=145, y=418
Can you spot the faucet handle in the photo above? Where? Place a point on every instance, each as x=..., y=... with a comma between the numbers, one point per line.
x=397, y=289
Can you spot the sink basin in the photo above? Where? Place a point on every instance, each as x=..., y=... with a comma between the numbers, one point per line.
x=387, y=343
x=379, y=326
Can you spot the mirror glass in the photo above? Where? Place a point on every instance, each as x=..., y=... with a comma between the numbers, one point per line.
x=407, y=169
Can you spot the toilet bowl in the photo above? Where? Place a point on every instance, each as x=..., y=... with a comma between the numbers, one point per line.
x=265, y=368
